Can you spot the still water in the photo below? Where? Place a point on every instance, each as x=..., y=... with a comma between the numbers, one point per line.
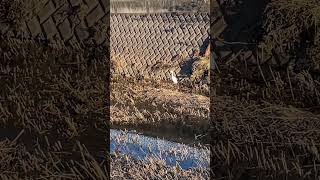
x=157, y=6
x=141, y=147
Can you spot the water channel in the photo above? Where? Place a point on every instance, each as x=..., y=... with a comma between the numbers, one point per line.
x=141, y=147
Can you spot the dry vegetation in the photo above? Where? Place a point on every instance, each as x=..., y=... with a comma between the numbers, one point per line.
x=152, y=168
x=53, y=110
x=200, y=70
x=12, y=11
x=163, y=109
x=265, y=119
x=291, y=32
x=48, y=161
x=158, y=107
x=56, y=98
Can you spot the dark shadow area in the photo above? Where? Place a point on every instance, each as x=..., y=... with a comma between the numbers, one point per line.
x=241, y=26
x=54, y=77
x=244, y=20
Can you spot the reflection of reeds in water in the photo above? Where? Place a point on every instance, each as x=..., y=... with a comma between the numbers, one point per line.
x=141, y=6
x=153, y=166
x=149, y=6
x=141, y=146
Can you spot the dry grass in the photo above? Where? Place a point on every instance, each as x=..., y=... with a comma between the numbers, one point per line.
x=265, y=123
x=58, y=102
x=291, y=33
x=127, y=168
x=252, y=83
x=15, y=12
x=66, y=98
x=11, y=11
x=48, y=161
x=200, y=69
x=118, y=64
x=58, y=98
x=265, y=120
x=264, y=139
x=152, y=108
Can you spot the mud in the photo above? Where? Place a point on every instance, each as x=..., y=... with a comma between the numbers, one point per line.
x=160, y=108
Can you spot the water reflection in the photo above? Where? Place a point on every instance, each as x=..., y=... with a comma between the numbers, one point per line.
x=141, y=147
x=156, y=6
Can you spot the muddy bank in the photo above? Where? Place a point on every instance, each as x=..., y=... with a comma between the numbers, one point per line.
x=162, y=108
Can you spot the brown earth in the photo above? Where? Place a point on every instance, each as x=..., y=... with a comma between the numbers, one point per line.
x=159, y=107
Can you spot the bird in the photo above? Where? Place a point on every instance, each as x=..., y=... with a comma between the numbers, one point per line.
x=174, y=77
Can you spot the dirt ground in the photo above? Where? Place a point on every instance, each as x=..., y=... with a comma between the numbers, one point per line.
x=160, y=107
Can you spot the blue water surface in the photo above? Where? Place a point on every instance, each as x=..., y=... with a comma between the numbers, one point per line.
x=141, y=147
